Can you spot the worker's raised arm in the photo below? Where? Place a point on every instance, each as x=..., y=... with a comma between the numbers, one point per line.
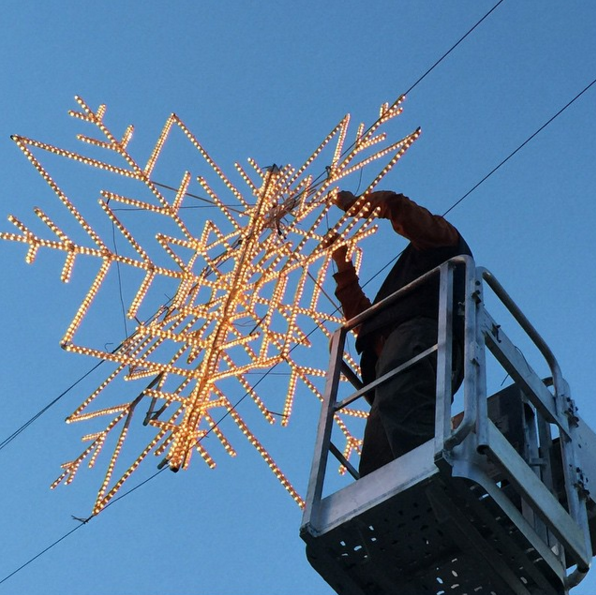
x=348, y=290
x=408, y=219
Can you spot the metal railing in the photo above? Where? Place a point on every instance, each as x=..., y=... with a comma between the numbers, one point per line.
x=550, y=525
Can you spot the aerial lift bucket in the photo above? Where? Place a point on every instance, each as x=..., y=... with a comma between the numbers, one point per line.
x=497, y=503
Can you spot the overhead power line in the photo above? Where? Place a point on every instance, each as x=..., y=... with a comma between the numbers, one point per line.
x=454, y=46
x=16, y=433
x=534, y=134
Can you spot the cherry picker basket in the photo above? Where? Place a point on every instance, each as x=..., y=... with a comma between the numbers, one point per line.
x=497, y=503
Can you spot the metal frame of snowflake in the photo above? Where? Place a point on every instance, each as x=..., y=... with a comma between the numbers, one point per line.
x=243, y=291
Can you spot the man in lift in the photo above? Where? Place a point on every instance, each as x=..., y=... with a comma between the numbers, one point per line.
x=403, y=409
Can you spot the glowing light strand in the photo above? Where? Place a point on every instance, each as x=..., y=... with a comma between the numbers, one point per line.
x=248, y=284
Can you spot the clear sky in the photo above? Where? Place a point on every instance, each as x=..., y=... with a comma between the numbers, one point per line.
x=269, y=80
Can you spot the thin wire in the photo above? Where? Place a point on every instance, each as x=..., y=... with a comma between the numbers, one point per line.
x=434, y=65
x=490, y=173
x=10, y=438
x=201, y=198
x=131, y=490
x=119, y=281
x=453, y=47
x=186, y=208
x=41, y=553
x=414, y=85
x=82, y=522
x=383, y=268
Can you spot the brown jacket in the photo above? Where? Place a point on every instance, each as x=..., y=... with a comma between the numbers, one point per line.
x=432, y=241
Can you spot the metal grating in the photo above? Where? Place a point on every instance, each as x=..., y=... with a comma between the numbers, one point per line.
x=433, y=539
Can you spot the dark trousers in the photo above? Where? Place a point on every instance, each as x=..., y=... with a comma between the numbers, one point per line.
x=402, y=414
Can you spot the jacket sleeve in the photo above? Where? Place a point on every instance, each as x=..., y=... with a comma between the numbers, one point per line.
x=413, y=222
x=349, y=293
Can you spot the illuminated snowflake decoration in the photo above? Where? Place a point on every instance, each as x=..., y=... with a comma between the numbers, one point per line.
x=247, y=286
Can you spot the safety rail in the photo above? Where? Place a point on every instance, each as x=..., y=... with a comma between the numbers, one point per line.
x=534, y=484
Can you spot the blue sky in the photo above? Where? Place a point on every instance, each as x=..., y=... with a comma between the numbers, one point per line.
x=269, y=80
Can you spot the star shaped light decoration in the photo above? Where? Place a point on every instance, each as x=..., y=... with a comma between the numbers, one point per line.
x=248, y=287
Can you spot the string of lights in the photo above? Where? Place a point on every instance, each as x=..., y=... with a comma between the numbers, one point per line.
x=209, y=335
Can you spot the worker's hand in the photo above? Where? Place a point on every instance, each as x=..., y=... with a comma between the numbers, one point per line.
x=329, y=239
x=340, y=254
x=382, y=201
x=345, y=199
x=341, y=260
x=340, y=257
